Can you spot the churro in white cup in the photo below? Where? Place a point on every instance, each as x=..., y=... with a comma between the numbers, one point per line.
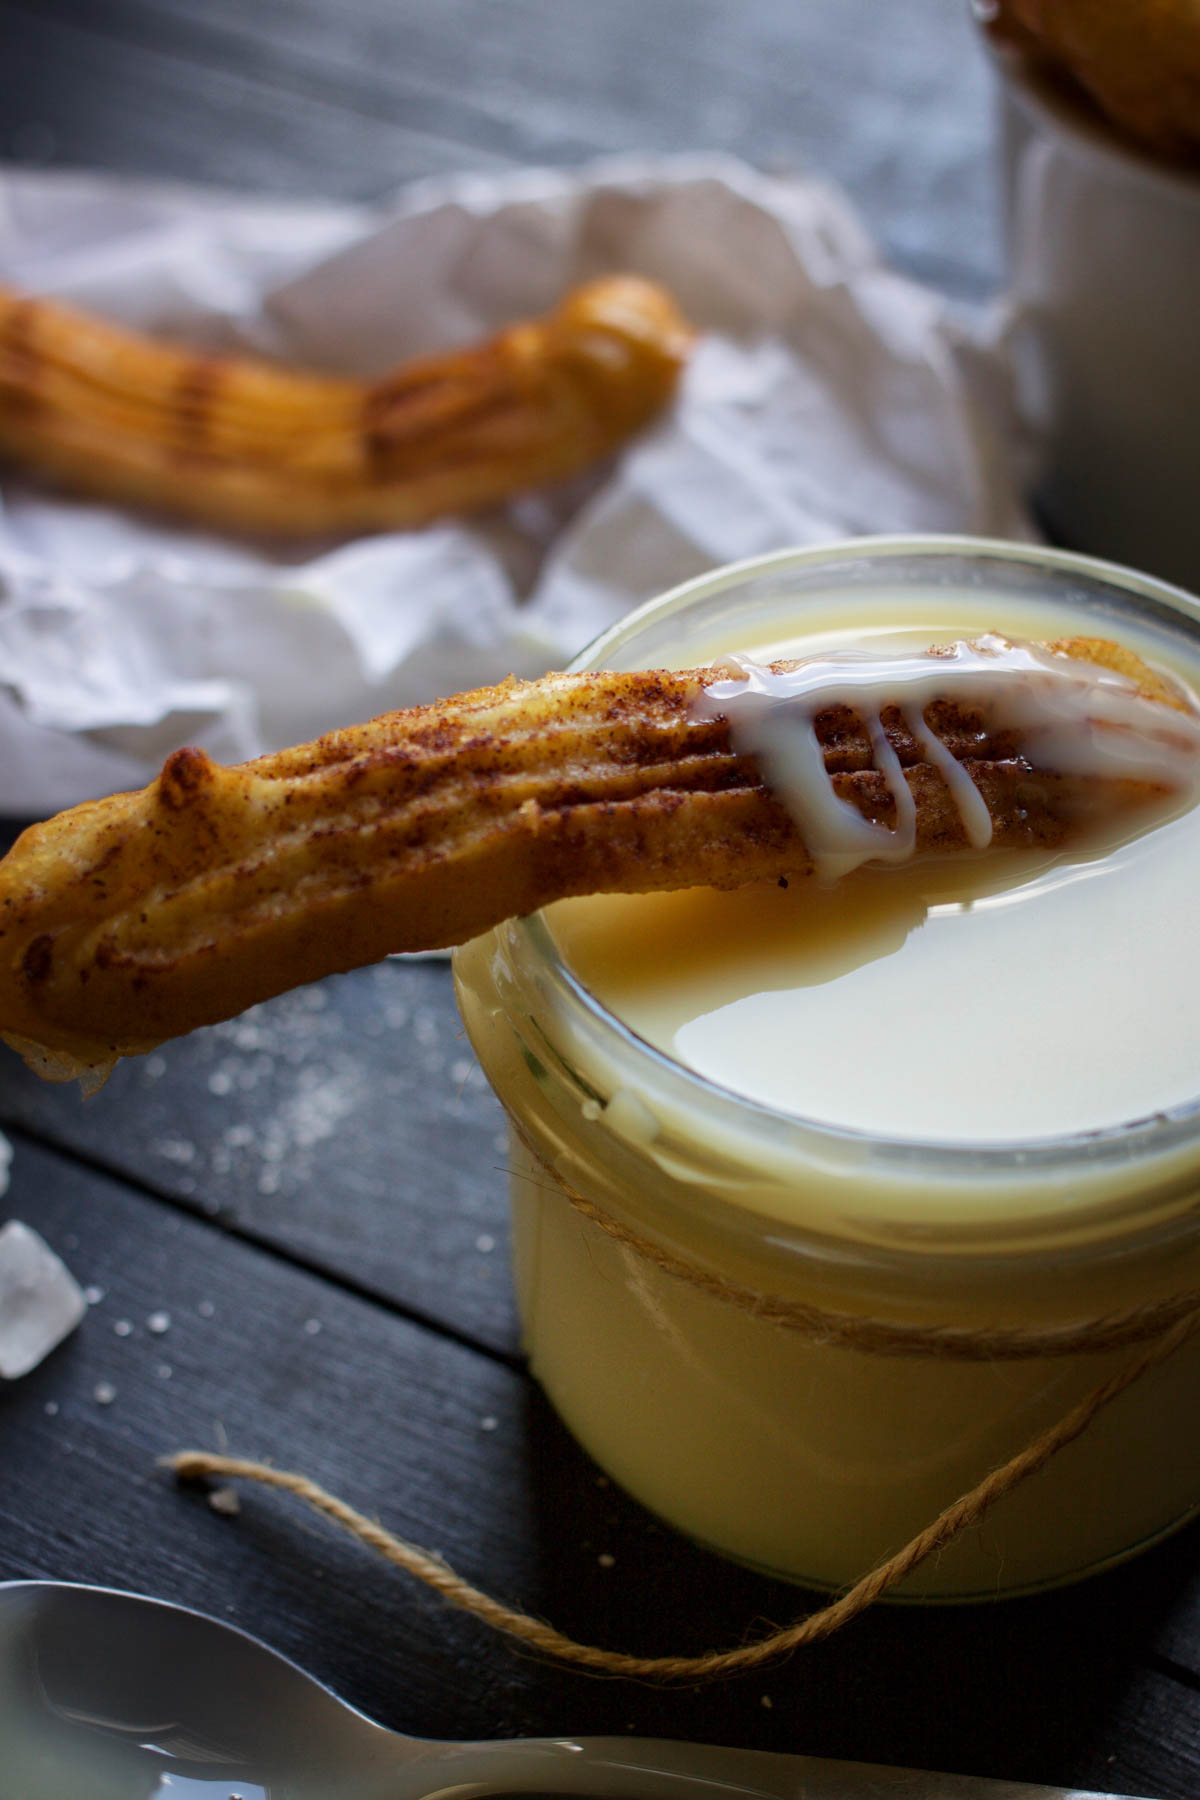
x=1103, y=236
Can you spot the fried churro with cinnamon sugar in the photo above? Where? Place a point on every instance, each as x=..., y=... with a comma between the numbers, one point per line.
x=250, y=446
x=133, y=919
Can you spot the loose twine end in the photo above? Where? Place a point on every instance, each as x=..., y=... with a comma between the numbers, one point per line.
x=197, y=1465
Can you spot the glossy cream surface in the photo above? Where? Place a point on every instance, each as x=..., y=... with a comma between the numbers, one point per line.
x=995, y=997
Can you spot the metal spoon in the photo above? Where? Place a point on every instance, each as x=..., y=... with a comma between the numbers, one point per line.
x=117, y=1697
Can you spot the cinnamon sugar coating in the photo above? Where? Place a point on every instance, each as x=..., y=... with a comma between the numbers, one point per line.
x=139, y=917
x=250, y=446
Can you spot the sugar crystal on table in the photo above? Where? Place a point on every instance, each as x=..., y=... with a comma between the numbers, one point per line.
x=40, y=1301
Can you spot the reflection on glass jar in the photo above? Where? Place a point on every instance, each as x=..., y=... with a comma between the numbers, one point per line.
x=819, y=1199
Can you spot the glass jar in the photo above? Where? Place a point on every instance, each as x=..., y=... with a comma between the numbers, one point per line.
x=651, y=1207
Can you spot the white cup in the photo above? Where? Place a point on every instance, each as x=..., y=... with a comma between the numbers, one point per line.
x=1104, y=250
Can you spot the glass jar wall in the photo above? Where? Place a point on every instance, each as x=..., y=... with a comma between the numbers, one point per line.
x=657, y=1214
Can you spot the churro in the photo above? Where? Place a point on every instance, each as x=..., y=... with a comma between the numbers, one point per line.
x=136, y=918
x=1138, y=60
x=249, y=446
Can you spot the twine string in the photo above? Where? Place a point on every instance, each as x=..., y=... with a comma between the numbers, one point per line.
x=1117, y=1330
x=195, y=1465
x=1158, y=1329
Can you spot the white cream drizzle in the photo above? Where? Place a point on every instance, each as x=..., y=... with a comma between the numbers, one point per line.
x=1072, y=718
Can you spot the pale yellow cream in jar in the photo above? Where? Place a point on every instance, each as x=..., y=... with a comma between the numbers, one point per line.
x=905, y=1098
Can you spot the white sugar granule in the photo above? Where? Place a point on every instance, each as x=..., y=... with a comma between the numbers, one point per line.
x=41, y=1303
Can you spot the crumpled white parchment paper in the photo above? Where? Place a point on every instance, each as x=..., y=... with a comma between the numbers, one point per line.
x=828, y=397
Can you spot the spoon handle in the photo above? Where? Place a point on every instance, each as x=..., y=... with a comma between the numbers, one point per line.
x=658, y=1769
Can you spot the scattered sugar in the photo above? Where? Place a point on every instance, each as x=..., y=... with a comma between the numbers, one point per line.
x=317, y=1103
x=247, y=1074
x=485, y=1243
x=224, y=1500
x=122, y=1327
x=312, y=1326
x=158, y=1322
x=322, y=1102
x=93, y=1295
x=174, y=1149
x=490, y=1423
x=246, y=1031
x=154, y=1067
x=205, y=1308
x=104, y=1393
x=50, y=1408
x=256, y=1053
x=164, y=1371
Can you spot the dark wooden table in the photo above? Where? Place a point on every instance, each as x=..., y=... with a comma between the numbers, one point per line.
x=315, y=1193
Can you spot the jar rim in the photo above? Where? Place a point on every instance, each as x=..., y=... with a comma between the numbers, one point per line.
x=1135, y=1141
